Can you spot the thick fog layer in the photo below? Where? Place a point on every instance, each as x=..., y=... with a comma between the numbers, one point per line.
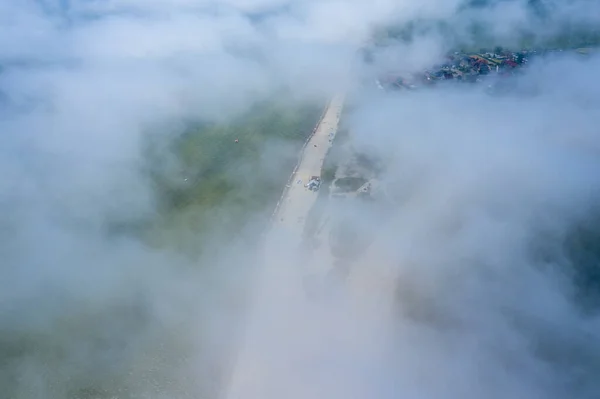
x=487, y=191
x=483, y=195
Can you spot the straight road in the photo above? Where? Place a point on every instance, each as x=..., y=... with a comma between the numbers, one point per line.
x=298, y=200
x=273, y=346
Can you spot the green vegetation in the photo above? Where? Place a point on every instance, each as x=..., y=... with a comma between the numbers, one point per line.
x=217, y=184
x=328, y=173
x=142, y=340
x=583, y=249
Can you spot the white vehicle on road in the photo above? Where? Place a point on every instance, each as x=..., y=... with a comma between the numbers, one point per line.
x=314, y=183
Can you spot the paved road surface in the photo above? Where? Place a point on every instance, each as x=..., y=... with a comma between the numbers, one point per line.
x=275, y=345
x=299, y=200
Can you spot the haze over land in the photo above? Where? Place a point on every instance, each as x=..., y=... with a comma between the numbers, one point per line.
x=129, y=237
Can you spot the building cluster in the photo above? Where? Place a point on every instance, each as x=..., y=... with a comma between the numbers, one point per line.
x=461, y=67
x=467, y=67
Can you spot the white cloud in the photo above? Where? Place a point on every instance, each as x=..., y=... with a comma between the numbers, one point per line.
x=82, y=82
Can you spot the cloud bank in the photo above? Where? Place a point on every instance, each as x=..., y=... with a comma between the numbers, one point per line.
x=489, y=192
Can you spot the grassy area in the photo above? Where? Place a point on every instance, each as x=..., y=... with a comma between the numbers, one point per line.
x=217, y=185
x=328, y=173
x=127, y=346
x=583, y=249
